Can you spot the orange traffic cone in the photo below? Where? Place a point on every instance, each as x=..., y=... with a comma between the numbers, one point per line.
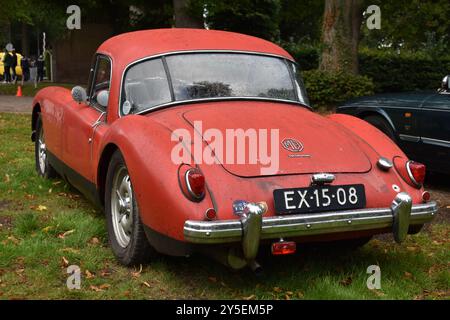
x=19, y=91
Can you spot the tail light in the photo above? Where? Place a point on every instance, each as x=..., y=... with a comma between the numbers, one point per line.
x=283, y=247
x=195, y=184
x=416, y=172
x=412, y=172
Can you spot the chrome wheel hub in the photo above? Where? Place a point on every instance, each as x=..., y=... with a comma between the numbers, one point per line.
x=122, y=206
x=42, y=151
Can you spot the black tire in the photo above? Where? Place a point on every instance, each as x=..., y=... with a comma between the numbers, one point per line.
x=45, y=170
x=381, y=125
x=137, y=250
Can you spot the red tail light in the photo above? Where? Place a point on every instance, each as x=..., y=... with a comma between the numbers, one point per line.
x=412, y=172
x=195, y=183
x=283, y=247
x=416, y=172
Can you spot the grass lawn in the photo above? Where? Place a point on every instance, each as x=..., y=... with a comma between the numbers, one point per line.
x=28, y=88
x=46, y=225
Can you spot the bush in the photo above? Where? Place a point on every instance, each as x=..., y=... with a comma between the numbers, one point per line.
x=327, y=90
x=389, y=71
x=307, y=57
x=393, y=72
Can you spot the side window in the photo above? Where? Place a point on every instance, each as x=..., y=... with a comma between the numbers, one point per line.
x=145, y=86
x=101, y=80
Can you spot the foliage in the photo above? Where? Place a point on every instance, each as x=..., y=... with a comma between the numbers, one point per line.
x=254, y=17
x=390, y=71
x=393, y=72
x=408, y=24
x=301, y=21
x=328, y=89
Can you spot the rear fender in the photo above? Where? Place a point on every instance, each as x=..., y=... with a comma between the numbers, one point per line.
x=146, y=147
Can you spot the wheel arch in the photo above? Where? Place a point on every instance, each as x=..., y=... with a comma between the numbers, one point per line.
x=380, y=113
x=102, y=169
x=34, y=117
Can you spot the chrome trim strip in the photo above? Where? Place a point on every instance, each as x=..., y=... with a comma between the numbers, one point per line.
x=274, y=227
x=408, y=169
x=160, y=55
x=409, y=138
x=441, y=143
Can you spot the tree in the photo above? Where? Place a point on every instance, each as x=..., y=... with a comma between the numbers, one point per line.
x=340, y=35
x=300, y=21
x=254, y=17
x=411, y=25
x=184, y=18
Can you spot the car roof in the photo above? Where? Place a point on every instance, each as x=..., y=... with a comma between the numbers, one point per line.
x=128, y=47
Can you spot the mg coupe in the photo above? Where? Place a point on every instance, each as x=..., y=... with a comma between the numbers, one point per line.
x=146, y=141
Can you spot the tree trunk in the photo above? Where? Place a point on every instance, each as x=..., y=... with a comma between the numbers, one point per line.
x=340, y=35
x=182, y=18
x=25, y=40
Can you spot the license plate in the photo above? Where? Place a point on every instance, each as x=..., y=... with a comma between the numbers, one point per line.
x=319, y=198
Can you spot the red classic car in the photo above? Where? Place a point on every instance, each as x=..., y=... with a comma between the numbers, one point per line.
x=204, y=141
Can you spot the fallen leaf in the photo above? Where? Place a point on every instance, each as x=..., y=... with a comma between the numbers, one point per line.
x=41, y=208
x=145, y=283
x=378, y=292
x=56, y=183
x=286, y=297
x=300, y=295
x=212, y=279
x=105, y=273
x=276, y=289
x=252, y=297
x=88, y=274
x=63, y=235
x=65, y=262
x=7, y=179
x=47, y=229
x=94, y=240
x=137, y=274
x=346, y=282
x=95, y=288
x=50, y=190
x=408, y=274
x=104, y=286
x=411, y=248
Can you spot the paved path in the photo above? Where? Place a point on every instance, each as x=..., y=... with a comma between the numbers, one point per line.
x=15, y=104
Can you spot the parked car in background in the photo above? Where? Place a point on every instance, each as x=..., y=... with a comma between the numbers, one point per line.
x=419, y=122
x=334, y=177
x=18, y=67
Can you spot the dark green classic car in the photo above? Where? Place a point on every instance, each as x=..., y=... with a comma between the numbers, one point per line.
x=419, y=122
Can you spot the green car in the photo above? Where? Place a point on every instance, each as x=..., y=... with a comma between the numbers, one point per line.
x=419, y=122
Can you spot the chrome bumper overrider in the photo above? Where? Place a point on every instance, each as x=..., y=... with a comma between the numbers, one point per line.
x=252, y=227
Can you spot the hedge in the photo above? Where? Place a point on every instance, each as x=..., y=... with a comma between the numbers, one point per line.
x=390, y=71
x=327, y=90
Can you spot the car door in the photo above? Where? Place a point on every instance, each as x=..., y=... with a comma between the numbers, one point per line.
x=80, y=123
x=434, y=124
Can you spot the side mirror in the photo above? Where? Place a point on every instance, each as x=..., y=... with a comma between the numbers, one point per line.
x=79, y=94
x=445, y=86
x=102, y=98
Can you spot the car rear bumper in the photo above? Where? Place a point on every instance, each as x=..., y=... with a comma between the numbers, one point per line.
x=399, y=217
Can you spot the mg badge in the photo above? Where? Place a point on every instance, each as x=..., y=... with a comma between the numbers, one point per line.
x=292, y=145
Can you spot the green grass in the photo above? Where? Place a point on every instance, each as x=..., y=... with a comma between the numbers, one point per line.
x=35, y=213
x=28, y=88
